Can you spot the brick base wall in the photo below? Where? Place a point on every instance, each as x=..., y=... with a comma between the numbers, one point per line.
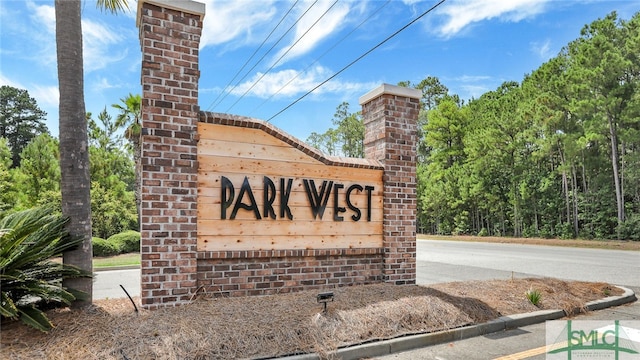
x=243, y=273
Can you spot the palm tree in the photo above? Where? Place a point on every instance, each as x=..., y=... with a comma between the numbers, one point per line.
x=74, y=142
x=129, y=117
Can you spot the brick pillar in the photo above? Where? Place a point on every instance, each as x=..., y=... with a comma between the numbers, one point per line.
x=169, y=37
x=390, y=116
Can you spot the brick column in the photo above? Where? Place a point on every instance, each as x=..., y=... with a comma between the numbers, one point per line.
x=390, y=116
x=169, y=37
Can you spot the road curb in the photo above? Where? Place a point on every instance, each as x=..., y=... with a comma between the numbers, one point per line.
x=112, y=268
x=405, y=343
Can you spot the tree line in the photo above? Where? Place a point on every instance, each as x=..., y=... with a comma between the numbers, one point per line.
x=30, y=161
x=555, y=155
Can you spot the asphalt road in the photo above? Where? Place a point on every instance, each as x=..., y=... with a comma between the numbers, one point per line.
x=106, y=284
x=443, y=261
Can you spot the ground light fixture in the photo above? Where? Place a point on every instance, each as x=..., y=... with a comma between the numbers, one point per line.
x=324, y=298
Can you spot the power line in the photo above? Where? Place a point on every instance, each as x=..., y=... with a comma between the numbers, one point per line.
x=282, y=56
x=358, y=59
x=265, y=54
x=321, y=56
x=254, y=54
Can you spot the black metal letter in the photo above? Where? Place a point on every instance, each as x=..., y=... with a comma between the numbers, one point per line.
x=337, y=209
x=368, y=189
x=285, y=191
x=357, y=211
x=246, y=188
x=269, y=198
x=317, y=201
x=226, y=202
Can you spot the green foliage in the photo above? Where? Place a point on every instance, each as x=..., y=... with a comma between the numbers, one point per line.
x=20, y=120
x=347, y=139
x=122, y=243
x=630, y=229
x=113, y=207
x=7, y=198
x=41, y=169
x=534, y=296
x=29, y=279
x=102, y=247
x=557, y=155
x=127, y=242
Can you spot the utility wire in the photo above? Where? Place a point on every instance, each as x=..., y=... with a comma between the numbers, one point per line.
x=282, y=56
x=358, y=59
x=321, y=56
x=254, y=54
x=265, y=54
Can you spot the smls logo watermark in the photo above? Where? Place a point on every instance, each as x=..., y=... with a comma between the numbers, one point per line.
x=573, y=340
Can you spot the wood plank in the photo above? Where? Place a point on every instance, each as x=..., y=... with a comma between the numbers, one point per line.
x=235, y=243
x=286, y=228
x=223, y=148
x=215, y=165
x=209, y=184
x=296, y=199
x=237, y=134
x=299, y=213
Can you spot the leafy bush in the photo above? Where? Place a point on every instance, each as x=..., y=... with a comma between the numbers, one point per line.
x=127, y=242
x=29, y=280
x=483, y=232
x=102, y=247
x=630, y=229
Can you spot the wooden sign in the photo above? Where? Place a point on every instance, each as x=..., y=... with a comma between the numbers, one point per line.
x=257, y=192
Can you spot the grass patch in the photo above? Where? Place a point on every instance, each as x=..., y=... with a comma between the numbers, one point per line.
x=578, y=243
x=130, y=259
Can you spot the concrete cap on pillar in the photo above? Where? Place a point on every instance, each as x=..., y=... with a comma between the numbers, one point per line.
x=188, y=6
x=390, y=90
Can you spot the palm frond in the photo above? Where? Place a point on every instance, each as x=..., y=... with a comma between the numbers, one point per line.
x=28, y=277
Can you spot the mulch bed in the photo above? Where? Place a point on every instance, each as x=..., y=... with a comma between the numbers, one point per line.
x=271, y=326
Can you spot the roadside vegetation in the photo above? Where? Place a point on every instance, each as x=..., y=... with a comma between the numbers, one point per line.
x=556, y=155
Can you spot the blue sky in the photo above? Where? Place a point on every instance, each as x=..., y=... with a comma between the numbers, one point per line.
x=471, y=46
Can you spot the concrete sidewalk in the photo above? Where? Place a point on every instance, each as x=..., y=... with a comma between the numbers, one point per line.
x=403, y=348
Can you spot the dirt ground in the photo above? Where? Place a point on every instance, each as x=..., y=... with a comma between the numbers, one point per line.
x=284, y=324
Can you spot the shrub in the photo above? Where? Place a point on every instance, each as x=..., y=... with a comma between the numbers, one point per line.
x=127, y=242
x=534, y=296
x=483, y=232
x=630, y=229
x=102, y=247
x=29, y=280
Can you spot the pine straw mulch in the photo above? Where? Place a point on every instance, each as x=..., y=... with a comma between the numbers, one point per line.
x=270, y=326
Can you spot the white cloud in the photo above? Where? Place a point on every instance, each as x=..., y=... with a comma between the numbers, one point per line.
x=98, y=44
x=46, y=95
x=542, y=49
x=281, y=83
x=472, y=78
x=473, y=91
x=229, y=20
x=98, y=39
x=462, y=13
x=307, y=35
x=6, y=81
x=104, y=84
